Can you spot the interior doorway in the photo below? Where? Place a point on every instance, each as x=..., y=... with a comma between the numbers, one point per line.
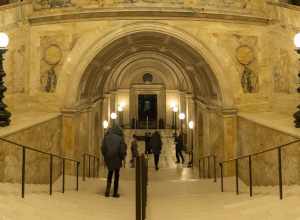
x=147, y=111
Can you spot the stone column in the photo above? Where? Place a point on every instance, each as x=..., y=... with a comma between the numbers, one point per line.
x=230, y=138
x=70, y=136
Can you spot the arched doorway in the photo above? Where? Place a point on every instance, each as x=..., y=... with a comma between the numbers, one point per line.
x=114, y=70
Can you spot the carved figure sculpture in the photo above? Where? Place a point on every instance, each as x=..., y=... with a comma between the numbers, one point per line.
x=248, y=80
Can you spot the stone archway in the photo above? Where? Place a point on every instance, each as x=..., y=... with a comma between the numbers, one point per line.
x=92, y=43
x=96, y=57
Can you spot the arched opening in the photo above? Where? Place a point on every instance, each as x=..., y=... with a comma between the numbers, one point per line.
x=111, y=72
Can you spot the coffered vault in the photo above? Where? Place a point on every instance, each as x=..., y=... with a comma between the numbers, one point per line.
x=164, y=53
x=181, y=62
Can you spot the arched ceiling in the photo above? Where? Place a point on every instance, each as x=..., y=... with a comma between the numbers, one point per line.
x=193, y=71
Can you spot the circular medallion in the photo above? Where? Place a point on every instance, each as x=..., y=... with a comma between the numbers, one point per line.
x=53, y=55
x=147, y=77
x=244, y=55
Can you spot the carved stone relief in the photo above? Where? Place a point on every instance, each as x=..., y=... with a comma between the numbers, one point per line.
x=51, y=59
x=249, y=79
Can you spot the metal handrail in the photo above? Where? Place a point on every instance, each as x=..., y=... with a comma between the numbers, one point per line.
x=36, y=150
x=249, y=156
x=95, y=171
x=261, y=152
x=64, y=159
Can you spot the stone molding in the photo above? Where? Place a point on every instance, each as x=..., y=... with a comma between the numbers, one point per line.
x=146, y=14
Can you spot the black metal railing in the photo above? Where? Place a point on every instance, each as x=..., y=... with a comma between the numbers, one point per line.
x=25, y=148
x=92, y=171
x=141, y=169
x=208, y=167
x=250, y=168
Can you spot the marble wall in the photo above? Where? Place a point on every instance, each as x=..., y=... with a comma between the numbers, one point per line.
x=46, y=137
x=253, y=137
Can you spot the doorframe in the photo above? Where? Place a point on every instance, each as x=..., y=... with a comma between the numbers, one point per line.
x=148, y=89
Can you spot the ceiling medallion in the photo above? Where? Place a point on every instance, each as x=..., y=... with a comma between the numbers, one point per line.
x=53, y=54
x=245, y=55
x=148, y=78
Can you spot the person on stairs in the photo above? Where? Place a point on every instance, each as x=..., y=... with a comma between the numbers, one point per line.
x=134, y=151
x=156, y=145
x=179, y=147
x=114, y=152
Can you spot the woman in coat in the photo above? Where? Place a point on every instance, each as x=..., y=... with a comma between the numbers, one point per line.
x=156, y=145
x=114, y=152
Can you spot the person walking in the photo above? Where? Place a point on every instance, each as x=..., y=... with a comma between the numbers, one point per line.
x=134, y=150
x=156, y=145
x=114, y=152
x=179, y=147
x=147, y=143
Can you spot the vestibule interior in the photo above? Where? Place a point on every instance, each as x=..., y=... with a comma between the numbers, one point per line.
x=142, y=76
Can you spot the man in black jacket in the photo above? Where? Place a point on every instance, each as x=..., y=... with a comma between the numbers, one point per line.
x=114, y=152
x=156, y=145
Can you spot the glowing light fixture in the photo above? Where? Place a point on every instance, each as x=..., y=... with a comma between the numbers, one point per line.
x=105, y=124
x=113, y=115
x=4, y=40
x=175, y=109
x=297, y=41
x=191, y=125
x=181, y=116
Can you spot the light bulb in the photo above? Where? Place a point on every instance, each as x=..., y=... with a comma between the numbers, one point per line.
x=175, y=109
x=4, y=40
x=181, y=116
x=105, y=124
x=191, y=125
x=297, y=40
x=113, y=115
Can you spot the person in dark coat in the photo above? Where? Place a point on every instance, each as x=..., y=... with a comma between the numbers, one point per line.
x=134, y=150
x=114, y=152
x=156, y=145
x=179, y=147
x=147, y=143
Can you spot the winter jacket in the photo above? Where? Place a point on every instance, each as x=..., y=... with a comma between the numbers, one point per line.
x=114, y=150
x=156, y=143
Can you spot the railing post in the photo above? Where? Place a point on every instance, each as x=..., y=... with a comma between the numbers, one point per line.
x=98, y=166
x=250, y=176
x=222, y=183
x=94, y=166
x=51, y=174
x=63, y=176
x=203, y=168
x=89, y=165
x=215, y=169
x=237, y=176
x=138, y=189
x=83, y=168
x=23, y=170
x=208, y=167
x=77, y=175
x=280, y=173
x=199, y=168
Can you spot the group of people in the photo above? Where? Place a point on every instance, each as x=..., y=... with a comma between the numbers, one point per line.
x=114, y=150
x=153, y=145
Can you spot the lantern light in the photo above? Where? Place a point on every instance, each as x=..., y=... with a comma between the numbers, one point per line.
x=4, y=40
x=297, y=40
x=113, y=115
x=181, y=116
x=105, y=124
x=191, y=125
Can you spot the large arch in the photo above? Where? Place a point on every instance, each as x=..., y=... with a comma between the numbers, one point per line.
x=93, y=43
